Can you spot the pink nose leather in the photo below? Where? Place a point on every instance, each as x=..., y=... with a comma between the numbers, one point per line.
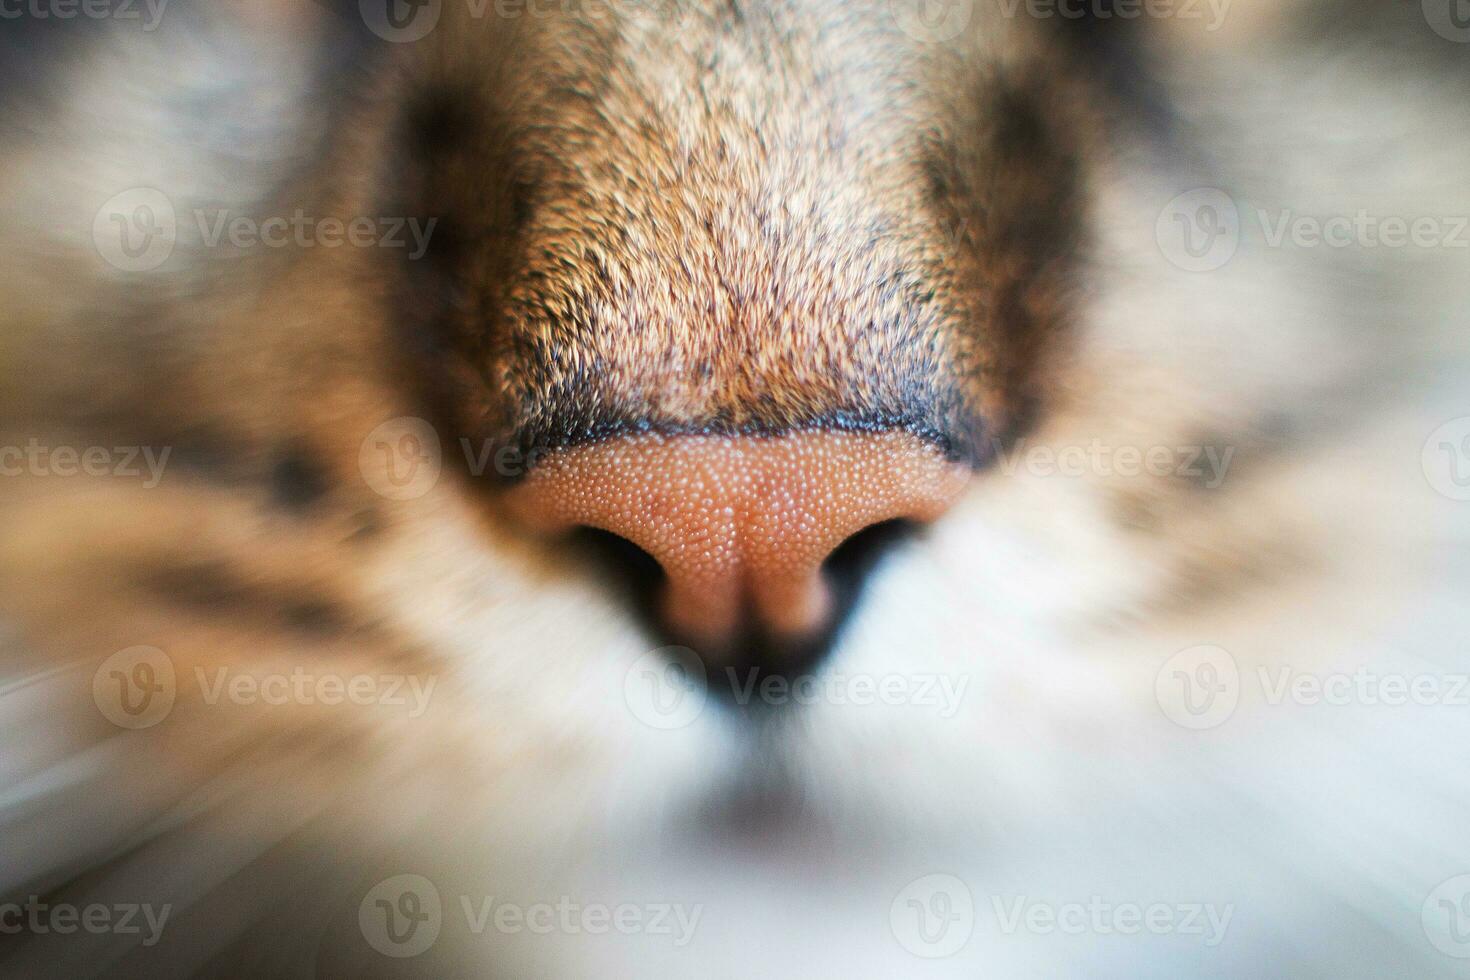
x=741, y=524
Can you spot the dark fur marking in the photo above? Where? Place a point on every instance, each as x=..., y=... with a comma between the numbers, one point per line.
x=297, y=481
x=1020, y=204
x=215, y=589
x=1111, y=50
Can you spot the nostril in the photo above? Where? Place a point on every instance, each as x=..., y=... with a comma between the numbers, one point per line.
x=743, y=536
x=639, y=580
x=854, y=560
x=634, y=573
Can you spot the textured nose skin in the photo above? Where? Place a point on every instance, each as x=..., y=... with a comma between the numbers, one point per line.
x=741, y=524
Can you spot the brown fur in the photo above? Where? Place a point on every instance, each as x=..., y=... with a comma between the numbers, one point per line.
x=668, y=257
x=763, y=216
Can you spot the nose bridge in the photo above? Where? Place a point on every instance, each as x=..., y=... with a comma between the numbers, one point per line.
x=741, y=524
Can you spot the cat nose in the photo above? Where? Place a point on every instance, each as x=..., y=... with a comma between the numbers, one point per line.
x=741, y=525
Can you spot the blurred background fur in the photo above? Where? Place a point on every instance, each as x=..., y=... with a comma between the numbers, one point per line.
x=1327, y=546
